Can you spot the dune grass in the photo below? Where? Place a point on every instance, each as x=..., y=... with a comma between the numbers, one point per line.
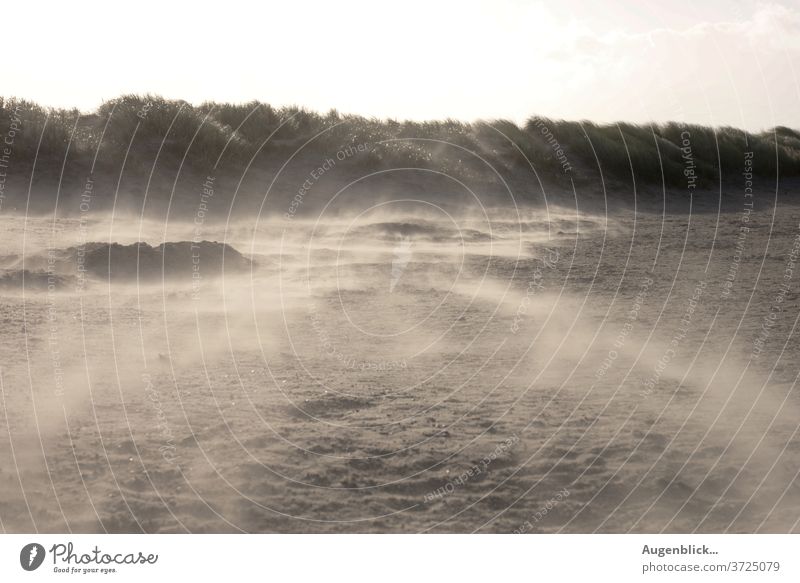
x=213, y=134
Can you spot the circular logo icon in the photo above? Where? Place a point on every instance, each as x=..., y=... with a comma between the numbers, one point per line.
x=31, y=556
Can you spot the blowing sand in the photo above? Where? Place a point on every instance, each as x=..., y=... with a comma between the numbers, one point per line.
x=409, y=372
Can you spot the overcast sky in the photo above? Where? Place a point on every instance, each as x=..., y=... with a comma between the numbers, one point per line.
x=730, y=62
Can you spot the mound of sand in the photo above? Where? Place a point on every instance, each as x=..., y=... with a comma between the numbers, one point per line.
x=169, y=260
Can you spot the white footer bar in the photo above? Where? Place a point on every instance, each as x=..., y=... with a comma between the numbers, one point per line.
x=400, y=558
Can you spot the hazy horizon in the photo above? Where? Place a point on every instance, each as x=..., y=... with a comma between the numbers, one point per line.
x=720, y=64
x=521, y=121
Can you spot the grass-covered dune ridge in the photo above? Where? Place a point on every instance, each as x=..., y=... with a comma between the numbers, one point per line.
x=228, y=137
